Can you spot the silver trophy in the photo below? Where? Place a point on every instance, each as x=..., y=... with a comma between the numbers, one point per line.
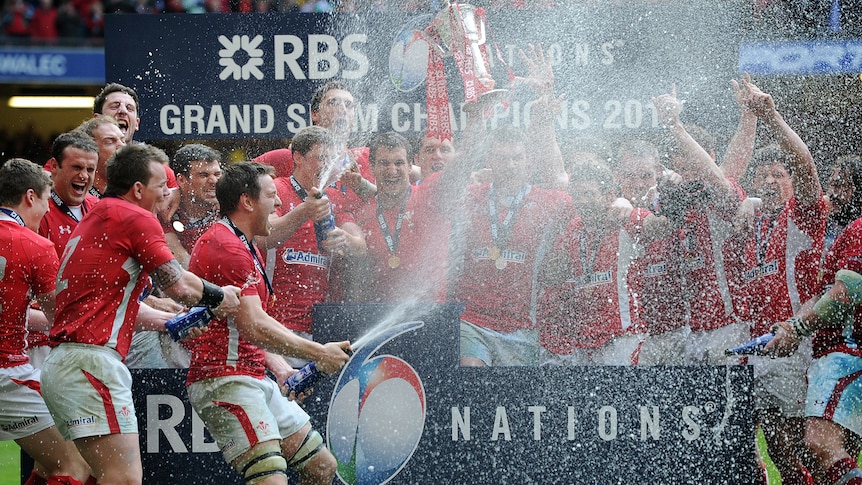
x=461, y=29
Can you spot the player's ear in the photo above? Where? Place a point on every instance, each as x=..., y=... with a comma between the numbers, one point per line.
x=138, y=190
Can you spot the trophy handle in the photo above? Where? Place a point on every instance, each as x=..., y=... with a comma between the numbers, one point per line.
x=429, y=39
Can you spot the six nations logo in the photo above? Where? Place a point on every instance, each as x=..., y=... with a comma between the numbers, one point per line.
x=377, y=413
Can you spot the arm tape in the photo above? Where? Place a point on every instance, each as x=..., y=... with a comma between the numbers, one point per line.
x=212, y=295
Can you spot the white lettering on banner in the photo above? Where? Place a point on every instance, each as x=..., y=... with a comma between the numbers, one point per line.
x=367, y=117
x=32, y=64
x=575, y=114
x=199, y=120
x=501, y=425
x=692, y=432
x=168, y=426
x=584, y=53
x=323, y=61
x=297, y=114
x=605, y=418
x=607, y=423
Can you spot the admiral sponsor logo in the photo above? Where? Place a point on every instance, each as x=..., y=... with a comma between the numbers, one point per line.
x=594, y=279
x=507, y=254
x=25, y=423
x=82, y=421
x=657, y=269
x=767, y=269
x=292, y=256
x=606, y=421
x=694, y=262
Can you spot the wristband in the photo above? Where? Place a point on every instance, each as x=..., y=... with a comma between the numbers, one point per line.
x=212, y=295
x=800, y=329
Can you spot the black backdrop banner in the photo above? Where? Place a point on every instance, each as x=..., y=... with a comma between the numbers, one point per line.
x=252, y=75
x=403, y=411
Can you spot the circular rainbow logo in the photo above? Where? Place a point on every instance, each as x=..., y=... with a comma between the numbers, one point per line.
x=377, y=414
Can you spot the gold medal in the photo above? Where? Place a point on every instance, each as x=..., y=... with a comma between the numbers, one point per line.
x=394, y=261
x=500, y=263
x=494, y=253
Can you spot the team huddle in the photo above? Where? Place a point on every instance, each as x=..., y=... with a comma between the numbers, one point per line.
x=562, y=253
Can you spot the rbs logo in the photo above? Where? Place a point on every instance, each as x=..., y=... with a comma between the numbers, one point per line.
x=317, y=57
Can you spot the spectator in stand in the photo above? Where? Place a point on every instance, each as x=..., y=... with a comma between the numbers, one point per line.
x=69, y=23
x=16, y=19
x=316, y=6
x=43, y=24
x=94, y=21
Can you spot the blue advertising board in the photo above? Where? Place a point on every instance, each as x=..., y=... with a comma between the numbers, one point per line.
x=801, y=57
x=252, y=76
x=403, y=411
x=51, y=65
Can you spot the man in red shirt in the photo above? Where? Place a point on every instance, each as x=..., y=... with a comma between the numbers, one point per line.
x=103, y=271
x=29, y=267
x=782, y=263
x=198, y=168
x=405, y=228
x=299, y=267
x=74, y=158
x=227, y=384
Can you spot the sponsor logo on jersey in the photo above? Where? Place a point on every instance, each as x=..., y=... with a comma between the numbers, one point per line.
x=767, y=269
x=694, y=262
x=65, y=229
x=595, y=279
x=507, y=255
x=292, y=256
x=657, y=269
x=228, y=446
x=23, y=424
x=82, y=421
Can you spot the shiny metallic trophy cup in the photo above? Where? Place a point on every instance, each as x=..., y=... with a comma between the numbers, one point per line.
x=460, y=30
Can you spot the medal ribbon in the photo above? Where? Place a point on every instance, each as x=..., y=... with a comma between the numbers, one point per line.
x=65, y=208
x=94, y=192
x=198, y=223
x=763, y=243
x=501, y=238
x=14, y=215
x=588, y=262
x=392, y=239
x=257, y=264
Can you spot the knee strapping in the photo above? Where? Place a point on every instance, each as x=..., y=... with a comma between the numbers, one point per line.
x=265, y=461
x=310, y=446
